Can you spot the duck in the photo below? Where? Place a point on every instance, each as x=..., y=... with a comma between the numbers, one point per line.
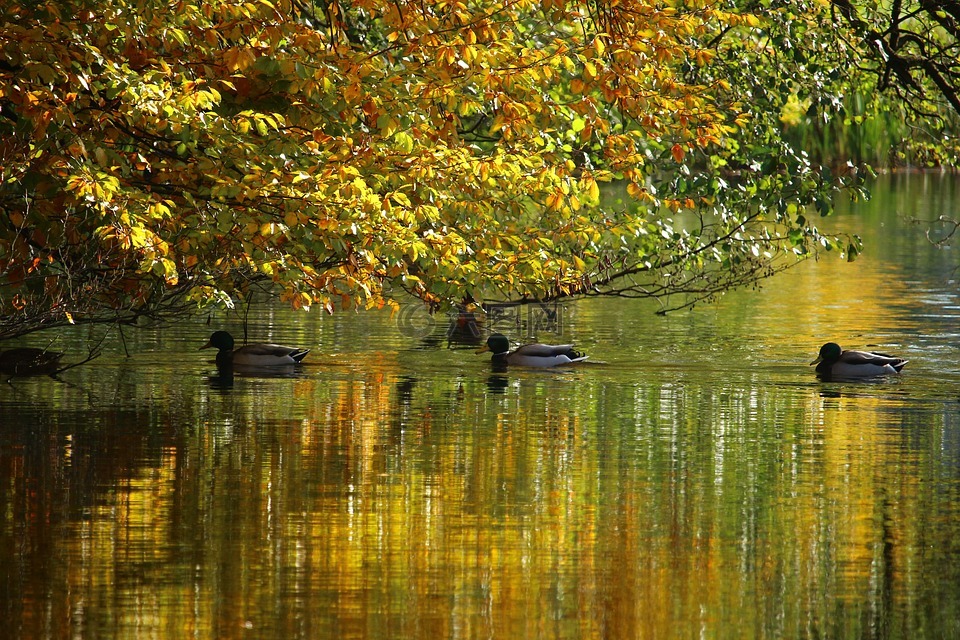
x=530, y=355
x=29, y=361
x=834, y=361
x=253, y=355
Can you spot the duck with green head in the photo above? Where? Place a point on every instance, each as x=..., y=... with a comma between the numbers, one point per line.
x=253, y=355
x=834, y=362
x=530, y=355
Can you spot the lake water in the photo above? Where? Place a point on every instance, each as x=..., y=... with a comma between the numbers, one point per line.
x=695, y=481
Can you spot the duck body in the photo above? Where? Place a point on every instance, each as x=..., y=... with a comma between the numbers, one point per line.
x=835, y=362
x=531, y=355
x=253, y=355
x=29, y=361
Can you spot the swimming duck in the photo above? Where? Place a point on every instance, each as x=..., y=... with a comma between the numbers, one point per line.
x=253, y=355
x=29, y=361
x=530, y=355
x=834, y=361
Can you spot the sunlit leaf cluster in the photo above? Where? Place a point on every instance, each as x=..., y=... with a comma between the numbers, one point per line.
x=156, y=157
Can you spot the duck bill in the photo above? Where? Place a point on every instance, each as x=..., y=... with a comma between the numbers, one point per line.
x=483, y=349
x=206, y=346
x=817, y=361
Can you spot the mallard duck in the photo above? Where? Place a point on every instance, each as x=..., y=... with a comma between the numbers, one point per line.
x=834, y=361
x=253, y=355
x=29, y=361
x=530, y=355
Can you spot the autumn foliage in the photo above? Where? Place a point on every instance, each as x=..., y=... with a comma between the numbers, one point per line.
x=156, y=157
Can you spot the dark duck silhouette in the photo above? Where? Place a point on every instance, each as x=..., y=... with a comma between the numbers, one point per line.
x=530, y=355
x=836, y=363
x=253, y=355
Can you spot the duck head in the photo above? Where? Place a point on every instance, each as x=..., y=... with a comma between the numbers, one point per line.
x=220, y=340
x=497, y=343
x=829, y=352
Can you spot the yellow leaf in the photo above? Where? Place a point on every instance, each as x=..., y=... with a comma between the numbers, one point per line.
x=586, y=134
x=404, y=141
x=554, y=200
x=593, y=190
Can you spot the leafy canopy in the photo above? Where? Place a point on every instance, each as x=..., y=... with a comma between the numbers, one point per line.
x=158, y=156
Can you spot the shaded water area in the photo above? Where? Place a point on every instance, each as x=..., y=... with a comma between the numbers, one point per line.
x=695, y=481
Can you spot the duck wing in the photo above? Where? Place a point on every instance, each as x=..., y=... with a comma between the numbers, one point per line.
x=872, y=358
x=547, y=350
x=861, y=364
x=521, y=360
x=266, y=354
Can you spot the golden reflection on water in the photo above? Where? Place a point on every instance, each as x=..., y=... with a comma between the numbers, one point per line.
x=528, y=523
x=531, y=514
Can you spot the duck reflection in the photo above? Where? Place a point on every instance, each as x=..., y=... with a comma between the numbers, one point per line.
x=223, y=379
x=497, y=382
x=228, y=373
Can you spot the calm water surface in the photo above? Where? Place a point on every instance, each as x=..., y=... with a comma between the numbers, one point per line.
x=695, y=481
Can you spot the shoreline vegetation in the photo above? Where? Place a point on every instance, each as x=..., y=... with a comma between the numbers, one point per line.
x=876, y=132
